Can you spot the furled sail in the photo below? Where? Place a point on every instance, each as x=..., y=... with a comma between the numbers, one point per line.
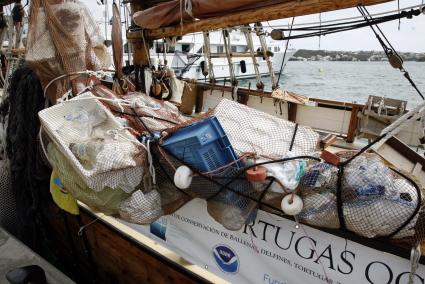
x=173, y=12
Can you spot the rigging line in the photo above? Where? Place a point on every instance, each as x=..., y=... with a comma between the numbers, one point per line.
x=382, y=33
x=320, y=28
x=284, y=54
x=341, y=24
x=398, y=8
x=352, y=27
x=353, y=18
x=363, y=13
x=391, y=51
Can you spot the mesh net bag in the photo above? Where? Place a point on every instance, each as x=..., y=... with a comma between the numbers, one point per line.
x=62, y=39
x=251, y=130
x=142, y=207
x=363, y=196
x=82, y=119
x=108, y=200
x=378, y=201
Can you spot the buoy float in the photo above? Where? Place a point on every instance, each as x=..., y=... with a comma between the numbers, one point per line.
x=292, y=208
x=256, y=174
x=183, y=177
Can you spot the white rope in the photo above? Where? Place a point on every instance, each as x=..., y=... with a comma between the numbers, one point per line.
x=207, y=53
x=415, y=256
x=150, y=161
x=227, y=48
x=188, y=8
x=402, y=121
x=134, y=103
x=250, y=44
x=235, y=92
x=262, y=37
x=40, y=137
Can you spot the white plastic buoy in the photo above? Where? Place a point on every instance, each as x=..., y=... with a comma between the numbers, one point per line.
x=292, y=208
x=183, y=177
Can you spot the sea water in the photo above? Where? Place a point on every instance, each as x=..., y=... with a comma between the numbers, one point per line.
x=350, y=81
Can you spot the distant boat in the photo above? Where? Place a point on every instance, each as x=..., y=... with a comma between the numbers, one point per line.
x=191, y=46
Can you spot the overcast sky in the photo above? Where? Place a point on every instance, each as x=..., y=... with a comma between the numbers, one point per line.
x=410, y=37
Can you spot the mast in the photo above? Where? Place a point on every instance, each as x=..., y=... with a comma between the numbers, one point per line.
x=140, y=55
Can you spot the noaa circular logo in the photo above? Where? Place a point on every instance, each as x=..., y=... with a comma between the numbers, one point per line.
x=226, y=259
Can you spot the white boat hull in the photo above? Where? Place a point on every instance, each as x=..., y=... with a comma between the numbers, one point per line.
x=221, y=67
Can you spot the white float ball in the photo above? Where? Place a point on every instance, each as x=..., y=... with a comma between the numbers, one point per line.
x=292, y=208
x=183, y=177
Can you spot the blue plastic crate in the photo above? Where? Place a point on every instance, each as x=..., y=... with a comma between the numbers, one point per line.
x=203, y=145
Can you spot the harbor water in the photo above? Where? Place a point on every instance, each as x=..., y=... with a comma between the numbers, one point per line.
x=350, y=81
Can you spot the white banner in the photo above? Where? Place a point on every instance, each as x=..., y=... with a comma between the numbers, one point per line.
x=274, y=251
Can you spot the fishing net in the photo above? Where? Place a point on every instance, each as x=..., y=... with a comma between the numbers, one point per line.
x=8, y=216
x=63, y=38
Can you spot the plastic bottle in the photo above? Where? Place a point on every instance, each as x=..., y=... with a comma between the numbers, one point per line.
x=87, y=151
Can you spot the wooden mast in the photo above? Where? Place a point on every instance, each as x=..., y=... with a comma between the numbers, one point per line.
x=140, y=47
x=279, y=11
x=140, y=54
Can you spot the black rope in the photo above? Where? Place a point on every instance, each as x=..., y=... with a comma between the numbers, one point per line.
x=394, y=58
x=347, y=26
x=407, y=76
x=339, y=201
x=263, y=193
x=75, y=265
x=226, y=186
x=143, y=123
x=418, y=206
x=170, y=179
x=243, y=170
x=293, y=137
x=87, y=248
x=284, y=54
